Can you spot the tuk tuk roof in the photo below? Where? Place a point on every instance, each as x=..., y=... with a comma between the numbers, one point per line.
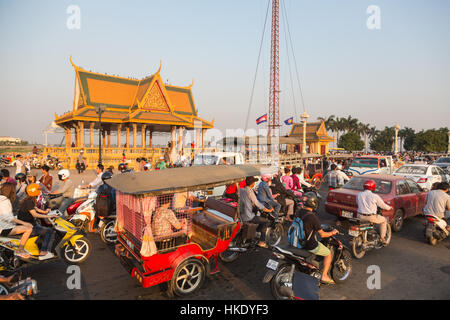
x=173, y=180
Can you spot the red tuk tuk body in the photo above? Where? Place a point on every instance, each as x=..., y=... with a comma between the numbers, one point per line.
x=182, y=256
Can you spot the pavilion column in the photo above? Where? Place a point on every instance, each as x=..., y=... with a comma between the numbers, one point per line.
x=103, y=137
x=77, y=137
x=197, y=139
x=128, y=136
x=172, y=135
x=203, y=138
x=119, y=134
x=81, y=135
x=109, y=137
x=68, y=137
x=180, y=139
x=151, y=138
x=91, y=134
x=143, y=135
x=134, y=135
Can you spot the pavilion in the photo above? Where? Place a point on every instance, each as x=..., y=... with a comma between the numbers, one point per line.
x=317, y=138
x=144, y=107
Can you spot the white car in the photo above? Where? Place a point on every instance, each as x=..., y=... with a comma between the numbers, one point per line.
x=425, y=175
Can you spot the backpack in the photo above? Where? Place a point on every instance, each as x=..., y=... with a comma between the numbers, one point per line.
x=103, y=206
x=296, y=234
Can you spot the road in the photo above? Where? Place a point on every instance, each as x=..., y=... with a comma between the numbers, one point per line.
x=410, y=269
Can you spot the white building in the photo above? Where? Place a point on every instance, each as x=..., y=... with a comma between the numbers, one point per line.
x=10, y=140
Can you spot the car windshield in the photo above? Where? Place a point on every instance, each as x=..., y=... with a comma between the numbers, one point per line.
x=365, y=162
x=443, y=160
x=205, y=160
x=412, y=170
x=382, y=186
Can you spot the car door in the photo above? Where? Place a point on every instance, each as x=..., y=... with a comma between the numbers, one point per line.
x=421, y=196
x=435, y=174
x=442, y=174
x=404, y=199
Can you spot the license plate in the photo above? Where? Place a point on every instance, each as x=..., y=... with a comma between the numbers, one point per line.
x=347, y=214
x=353, y=233
x=272, y=264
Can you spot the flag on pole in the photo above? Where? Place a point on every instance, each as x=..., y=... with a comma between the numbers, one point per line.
x=289, y=121
x=261, y=119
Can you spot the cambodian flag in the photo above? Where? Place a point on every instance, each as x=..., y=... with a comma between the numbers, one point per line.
x=289, y=121
x=261, y=119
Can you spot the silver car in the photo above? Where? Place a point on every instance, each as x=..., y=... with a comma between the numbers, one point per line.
x=423, y=174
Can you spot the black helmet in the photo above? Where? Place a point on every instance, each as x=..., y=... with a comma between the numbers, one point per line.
x=106, y=175
x=122, y=167
x=311, y=200
x=21, y=177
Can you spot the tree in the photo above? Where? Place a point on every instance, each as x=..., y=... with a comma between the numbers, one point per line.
x=431, y=140
x=364, y=129
x=408, y=137
x=351, y=141
x=383, y=140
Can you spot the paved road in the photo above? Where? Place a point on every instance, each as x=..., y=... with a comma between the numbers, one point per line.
x=410, y=269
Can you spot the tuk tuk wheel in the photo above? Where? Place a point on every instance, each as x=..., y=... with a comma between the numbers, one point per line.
x=188, y=277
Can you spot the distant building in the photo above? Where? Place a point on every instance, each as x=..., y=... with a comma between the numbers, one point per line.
x=10, y=140
x=317, y=138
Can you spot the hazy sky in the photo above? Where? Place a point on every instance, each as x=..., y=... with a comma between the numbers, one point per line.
x=400, y=72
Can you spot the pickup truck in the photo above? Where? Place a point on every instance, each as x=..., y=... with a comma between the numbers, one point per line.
x=371, y=164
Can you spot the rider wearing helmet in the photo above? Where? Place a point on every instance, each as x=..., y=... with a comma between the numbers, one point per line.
x=66, y=190
x=148, y=166
x=104, y=192
x=265, y=195
x=29, y=213
x=312, y=228
x=123, y=168
x=368, y=202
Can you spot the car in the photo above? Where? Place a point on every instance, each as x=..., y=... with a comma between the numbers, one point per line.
x=425, y=175
x=370, y=165
x=405, y=196
x=443, y=163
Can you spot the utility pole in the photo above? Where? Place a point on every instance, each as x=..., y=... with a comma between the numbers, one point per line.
x=274, y=95
x=100, y=109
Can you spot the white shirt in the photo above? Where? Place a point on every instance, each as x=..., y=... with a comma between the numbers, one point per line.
x=341, y=177
x=6, y=214
x=97, y=182
x=437, y=203
x=368, y=202
x=302, y=181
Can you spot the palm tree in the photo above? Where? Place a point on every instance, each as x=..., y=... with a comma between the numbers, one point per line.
x=364, y=129
x=372, y=132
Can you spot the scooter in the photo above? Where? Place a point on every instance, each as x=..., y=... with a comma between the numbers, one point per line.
x=280, y=273
x=84, y=216
x=435, y=229
x=80, y=166
x=365, y=237
x=25, y=287
x=247, y=238
x=70, y=244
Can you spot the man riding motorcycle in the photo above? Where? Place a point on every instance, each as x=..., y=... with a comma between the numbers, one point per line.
x=265, y=195
x=312, y=227
x=66, y=190
x=368, y=202
x=438, y=201
x=29, y=213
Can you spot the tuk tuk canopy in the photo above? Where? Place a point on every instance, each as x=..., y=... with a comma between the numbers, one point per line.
x=159, y=182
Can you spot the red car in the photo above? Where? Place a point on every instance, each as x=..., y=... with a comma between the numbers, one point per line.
x=405, y=196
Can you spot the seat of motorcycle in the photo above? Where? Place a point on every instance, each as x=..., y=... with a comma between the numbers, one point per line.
x=298, y=252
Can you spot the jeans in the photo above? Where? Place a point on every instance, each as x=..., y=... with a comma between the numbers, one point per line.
x=275, y=205
x=66, y=202
x=47, y=234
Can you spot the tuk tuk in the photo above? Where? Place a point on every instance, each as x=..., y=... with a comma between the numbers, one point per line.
x=160, y=241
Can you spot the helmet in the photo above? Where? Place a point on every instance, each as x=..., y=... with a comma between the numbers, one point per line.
x=266, y=177
x=33, y=190
x=63, y=174
x=147, y=166
x=370, y=185
x=107, y=175
x=122, y=167
x=21, y=177
x=311, y=200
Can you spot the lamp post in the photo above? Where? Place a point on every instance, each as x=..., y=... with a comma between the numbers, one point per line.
x=304, y=117
x=397, y=127
x=100, y=109
x=448, y=148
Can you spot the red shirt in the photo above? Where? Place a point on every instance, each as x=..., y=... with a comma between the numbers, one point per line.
x=233, y=189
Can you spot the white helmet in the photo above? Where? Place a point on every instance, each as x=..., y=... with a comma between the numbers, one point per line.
x=63, y=174
x=148, y=165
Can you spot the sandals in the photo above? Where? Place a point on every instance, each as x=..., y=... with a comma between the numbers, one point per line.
x=327, y=282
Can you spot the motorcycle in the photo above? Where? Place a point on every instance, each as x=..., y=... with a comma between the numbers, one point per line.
x=80, y=166
x=70, y=244
x=247, y=238
x=84, y=216
x=365, y=237
x=288, y=258
x=53, y=201
x=435, y=229
x=27, y=287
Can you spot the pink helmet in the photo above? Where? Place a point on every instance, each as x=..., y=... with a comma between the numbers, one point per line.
x=266, y=177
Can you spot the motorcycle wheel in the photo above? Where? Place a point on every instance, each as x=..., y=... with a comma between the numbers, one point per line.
x=188, y=277
x=357, y=247
x=274, y=235
x=107, y=232
x=281, y=276
x=229, y=256
x=342, y=268
x=3, y=290
x=83, y=250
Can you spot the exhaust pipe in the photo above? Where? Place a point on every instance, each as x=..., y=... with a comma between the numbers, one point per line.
x=236, y=249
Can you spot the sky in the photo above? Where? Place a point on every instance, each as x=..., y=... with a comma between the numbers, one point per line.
x=397, y=73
